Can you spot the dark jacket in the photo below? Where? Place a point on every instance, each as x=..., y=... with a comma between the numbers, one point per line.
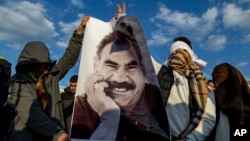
x=5, y=72
x=67, y=103
x=140, y=125
x=31, y=123
x=233, y=95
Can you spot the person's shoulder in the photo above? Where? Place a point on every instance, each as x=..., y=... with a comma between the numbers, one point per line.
x=80, y=98
x=63, y=94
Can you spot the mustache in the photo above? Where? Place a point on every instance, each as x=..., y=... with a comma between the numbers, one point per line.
x=114, y=84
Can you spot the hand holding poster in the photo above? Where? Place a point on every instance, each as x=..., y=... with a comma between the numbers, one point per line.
x=118, y=97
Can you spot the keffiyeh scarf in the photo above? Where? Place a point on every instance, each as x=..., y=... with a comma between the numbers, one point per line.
x=180, y=61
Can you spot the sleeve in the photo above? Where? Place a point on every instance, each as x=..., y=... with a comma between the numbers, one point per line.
x=30, y=114
x=71, y=55
x=108, y=127
x=113, y=20
x=156, y=65
x=207, y=122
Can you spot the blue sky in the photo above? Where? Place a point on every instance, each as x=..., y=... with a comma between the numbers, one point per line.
x=219, y=29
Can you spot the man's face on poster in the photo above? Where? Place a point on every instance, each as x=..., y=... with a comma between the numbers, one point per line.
x=122, y=71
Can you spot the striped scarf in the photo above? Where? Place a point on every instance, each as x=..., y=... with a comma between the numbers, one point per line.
x=180, y=61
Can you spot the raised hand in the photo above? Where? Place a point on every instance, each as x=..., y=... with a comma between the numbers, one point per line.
x=120, y=11
x=82, y=25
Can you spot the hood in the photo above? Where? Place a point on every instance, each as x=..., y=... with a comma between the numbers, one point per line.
x=33, y=53
x=5, y=63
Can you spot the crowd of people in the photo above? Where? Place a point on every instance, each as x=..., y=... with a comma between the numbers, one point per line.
x=119, y=103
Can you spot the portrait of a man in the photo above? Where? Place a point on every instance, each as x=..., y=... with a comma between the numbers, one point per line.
x=119, y=101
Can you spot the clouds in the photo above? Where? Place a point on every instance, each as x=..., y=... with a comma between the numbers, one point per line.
x=67, y=29
x=173, y=22
x=21, y=21
x=158, y=38
x=242, y=64
x=204, y=29
x=215, y=42
x=234, y=16
x=24, y=21
x=78, y=3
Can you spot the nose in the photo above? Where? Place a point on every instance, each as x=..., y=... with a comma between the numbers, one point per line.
x=121, y=74
x=121, y=71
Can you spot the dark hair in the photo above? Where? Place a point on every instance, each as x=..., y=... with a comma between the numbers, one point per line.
x=184, y=39
x=210, y=80
x=121, y=37
x=74, y=78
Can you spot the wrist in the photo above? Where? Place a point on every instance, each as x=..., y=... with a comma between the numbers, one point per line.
x=80, y=29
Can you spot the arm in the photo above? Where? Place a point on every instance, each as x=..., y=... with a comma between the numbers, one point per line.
x=104, y=105
x=120, y=12
x=156, y=65
x=72, y=53
x=108, y=127
x=207, y=122
x=30, y=114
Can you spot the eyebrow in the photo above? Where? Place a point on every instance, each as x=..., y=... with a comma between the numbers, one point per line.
x=133, y=62
x=111, y=62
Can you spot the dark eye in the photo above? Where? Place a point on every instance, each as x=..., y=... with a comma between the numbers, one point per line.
x=111, y=66
x=132, y=67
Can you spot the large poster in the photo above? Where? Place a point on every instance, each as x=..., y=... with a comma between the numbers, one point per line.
x=118, y=96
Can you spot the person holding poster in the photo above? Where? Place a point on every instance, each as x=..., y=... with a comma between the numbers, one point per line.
x=120, y=101
x=35, y=90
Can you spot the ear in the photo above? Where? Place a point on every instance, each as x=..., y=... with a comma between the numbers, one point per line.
x=96, y=63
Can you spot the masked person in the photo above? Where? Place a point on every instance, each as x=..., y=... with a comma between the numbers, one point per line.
x=232, y=98
x=5, y=73
x=189, y=103
x=35, y=90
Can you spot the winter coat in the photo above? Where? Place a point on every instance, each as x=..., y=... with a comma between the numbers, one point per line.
x=68, y=104
x=5, y=71
x=31, y=123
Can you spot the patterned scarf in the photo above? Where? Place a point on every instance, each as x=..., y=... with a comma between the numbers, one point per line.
x=180, y=61
x=37, y=76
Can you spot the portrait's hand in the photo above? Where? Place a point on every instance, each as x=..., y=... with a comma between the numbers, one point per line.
x=97, y=98
x=82, y=25
x=120, y=11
